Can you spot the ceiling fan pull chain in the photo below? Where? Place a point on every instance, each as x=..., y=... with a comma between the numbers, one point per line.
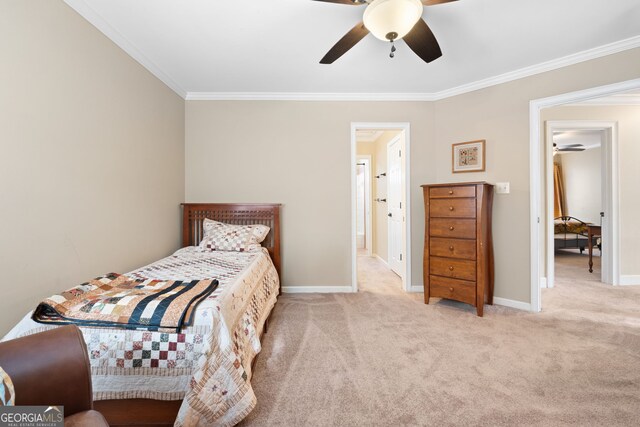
x=393, y=49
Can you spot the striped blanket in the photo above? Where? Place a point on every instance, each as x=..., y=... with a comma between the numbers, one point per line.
x=119, y=301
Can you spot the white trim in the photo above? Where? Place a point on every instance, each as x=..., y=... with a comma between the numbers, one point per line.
x=309, y=96
x=544, y=283
x=554, y=64
x=519, y=305
x=629, y=280
x=534, y=204
x=416, y=289
x=95, y=19
x=406, y=128
x=543, y=67
x=381, y=260
x=317, y=289
x=535, y=164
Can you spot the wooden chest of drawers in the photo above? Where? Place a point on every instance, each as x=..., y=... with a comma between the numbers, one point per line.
x=458, y=250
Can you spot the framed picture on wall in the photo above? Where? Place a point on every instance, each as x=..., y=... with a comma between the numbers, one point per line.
x=468, y=156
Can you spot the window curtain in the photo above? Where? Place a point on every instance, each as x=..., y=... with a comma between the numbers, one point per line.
x=559, y=205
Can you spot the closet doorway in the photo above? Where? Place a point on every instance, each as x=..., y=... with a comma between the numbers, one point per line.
x=384, y=245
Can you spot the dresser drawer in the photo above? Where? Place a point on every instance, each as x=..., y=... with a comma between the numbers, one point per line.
x=452, y=248
x=459, y=290
x=456, y=208
x=447, y=192
x=455, y=268
x=460, y=228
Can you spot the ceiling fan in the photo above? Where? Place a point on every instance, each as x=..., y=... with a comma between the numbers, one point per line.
x=568, y=147
x=390, y=20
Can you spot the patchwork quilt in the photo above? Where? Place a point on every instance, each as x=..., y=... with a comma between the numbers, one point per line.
x=118, y=301
x=208, y=364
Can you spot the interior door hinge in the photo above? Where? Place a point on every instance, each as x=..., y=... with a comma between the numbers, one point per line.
x=399, y=153
x=400, y=257
x=400, y=205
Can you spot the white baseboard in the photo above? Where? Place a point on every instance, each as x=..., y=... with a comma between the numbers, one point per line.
x=628, y=279
x=512, y=303
x=316, y=289
x=416, y=289
x=543, y=282
x=381, y=260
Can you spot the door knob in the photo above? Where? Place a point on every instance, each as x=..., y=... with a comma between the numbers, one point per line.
x=389, y=214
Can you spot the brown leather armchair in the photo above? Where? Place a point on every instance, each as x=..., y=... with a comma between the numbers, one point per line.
x=52, y=368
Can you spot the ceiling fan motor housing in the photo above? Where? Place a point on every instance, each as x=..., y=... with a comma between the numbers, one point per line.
x=386, y=18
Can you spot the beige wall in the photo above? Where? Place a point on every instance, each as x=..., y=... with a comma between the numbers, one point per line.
x=271, y=142
x=628, y=119
x=91, y=156
x=296, y=153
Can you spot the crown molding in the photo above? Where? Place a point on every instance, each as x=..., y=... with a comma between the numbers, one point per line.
x=586, y=55
x=306, y=96
x=543, y=67
x=95, y=19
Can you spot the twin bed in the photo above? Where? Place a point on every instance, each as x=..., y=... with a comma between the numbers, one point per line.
x=201, y=374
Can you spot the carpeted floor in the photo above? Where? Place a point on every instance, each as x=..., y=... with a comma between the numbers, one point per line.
x=383, y=358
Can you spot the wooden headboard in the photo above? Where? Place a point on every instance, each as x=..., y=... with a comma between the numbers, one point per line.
x=233, y=213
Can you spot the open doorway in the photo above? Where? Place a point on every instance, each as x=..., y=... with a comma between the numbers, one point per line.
x=577, y=193
x=610, y=113
x=380, y=254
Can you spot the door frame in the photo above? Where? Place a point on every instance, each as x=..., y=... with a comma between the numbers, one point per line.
x=368, y=228
x=395, y=139
x=406, y=127
x=610, y=269
x=536, y=159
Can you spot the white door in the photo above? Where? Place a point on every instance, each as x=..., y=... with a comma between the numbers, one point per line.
x=395, y=203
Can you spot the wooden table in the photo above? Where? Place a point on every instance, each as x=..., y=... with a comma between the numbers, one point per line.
x=594, y=231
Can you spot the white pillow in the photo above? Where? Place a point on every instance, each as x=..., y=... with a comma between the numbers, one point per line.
x=219, y=236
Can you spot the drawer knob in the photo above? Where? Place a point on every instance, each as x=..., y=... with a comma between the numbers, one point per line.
x=450, y=191
x=450, y=248
x=451, y=228
x=450, y=268
x=451, y=289
x=450, y=208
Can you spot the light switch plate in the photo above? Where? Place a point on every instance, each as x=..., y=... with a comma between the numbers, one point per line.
x=502, y=187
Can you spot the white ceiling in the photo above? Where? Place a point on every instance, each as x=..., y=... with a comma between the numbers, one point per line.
x=273, y=46
x=368, y=135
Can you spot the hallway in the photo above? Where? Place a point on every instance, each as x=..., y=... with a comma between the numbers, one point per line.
x=375, y=276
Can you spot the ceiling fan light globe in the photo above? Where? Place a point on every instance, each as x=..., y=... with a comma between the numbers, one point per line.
x=382, y=17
